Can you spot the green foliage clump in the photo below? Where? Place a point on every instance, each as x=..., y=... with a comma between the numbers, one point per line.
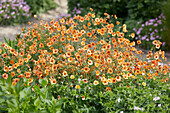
x=61, y=99
x=166, y=10
x=39, y=6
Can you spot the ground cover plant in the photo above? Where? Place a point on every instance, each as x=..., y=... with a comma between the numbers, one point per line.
x=81, y=64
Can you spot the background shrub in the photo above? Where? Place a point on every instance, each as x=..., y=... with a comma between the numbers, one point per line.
x=166, y=35
x=101, y=6
x=13, y=11
x=141, y=10
x=39, y=6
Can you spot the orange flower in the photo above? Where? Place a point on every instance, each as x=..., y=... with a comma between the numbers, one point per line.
x=21, y=53
x=12, y=51
x=41, y=45
x=5, y=75
x=77, y=87
x=52, y=61
x=15, y=65
x=97, y=20
x=26, y=60
x=4, y=55
x=28, y=74
x=85, y=81
x=105, y=82
x=113, y=80
x=14, y=83
x=89, y=34
x=20, y=76
x=108, y=52
x=65, y=74
x=68, y=54
x=6, y=69
x=16, y=80
x=108, y=89
x=10, y=68
x=62, y=39
x=97, y=72
x=118, y=78
x=117, y=22
x=95, y=82
x=86, y=69
x=97, y=64
x=158, y=46
x=133, y=35
x=21, y=61
x=29, y=56
x=109, y=60
x=139, y=42
x=53, y=81
x=91, y=9
x=12, y=74
x=70, y=59
x=89, y=24
x=90, y=62
x=125, y=76
x=154, y=42
x=110, y=71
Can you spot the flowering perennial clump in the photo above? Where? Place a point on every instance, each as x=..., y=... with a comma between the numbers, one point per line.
x=151, y=30
x=13, y=10
x=81, y=53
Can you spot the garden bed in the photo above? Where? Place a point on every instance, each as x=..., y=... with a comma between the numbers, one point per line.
x=52, y=67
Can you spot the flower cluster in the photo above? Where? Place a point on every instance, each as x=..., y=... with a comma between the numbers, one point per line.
x=149, y=31
x=84, y=53
x=13, y=10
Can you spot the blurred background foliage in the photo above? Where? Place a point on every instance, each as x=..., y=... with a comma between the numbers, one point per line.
x=40, y=6
x=126, y=9
x=166, y=12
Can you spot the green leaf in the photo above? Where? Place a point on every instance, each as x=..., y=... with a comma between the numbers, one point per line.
x=53, y=100
x=12, y=103
x=22, y=95
x=6, y=40
x=37, y=102
x=37, y=88
x=43, y=82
